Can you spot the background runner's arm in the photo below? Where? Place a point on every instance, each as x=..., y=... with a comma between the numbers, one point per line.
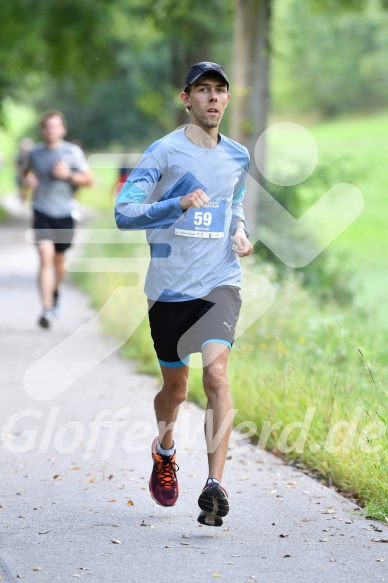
x=29, y=178
x=73, y=168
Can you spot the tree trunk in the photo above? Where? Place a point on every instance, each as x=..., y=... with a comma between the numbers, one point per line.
x=250, y=90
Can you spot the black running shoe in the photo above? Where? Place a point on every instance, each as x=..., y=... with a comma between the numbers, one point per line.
x=45, y=319
x=214, y=504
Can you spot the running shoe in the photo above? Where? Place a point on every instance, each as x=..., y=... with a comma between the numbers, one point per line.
x=214, y=504
x=45, y=319
x=163, y=483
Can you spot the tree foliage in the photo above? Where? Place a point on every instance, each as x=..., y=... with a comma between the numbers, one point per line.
x=151, y=48
x=116, y=66
x=331, y=62
x=54, y=38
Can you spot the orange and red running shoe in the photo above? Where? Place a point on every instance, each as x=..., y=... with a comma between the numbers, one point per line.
x=163, y=483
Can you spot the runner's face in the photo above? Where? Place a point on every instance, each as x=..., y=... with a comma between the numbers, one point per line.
x=208, y=100
x=53, y=130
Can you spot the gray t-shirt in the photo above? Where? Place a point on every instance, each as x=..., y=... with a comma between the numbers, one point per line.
x=54, y=197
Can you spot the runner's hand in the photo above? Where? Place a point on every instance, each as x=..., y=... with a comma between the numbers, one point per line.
x=241, y=245
x=31, y=180
x=195, y=199
x=61, y=171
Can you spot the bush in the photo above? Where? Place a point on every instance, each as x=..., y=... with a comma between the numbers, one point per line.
x=328, y=276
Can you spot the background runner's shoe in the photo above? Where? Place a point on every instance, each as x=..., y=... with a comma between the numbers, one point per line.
x=45, y=319
x=214, y=504
x=163, y=484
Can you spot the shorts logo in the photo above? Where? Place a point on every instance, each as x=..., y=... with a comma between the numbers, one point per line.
x=228, y=325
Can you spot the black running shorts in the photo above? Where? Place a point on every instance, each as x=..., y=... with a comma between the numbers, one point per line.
x=180, y=328
x=59, y=231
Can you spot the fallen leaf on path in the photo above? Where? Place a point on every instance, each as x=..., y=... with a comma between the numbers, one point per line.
x=380, y=540
x=283, y=535
x=286, y=556
x=144, y=523
x=380, y=560
x=55, y=476
x=167, y=546
x=184, y=543
x=91, y=480
x=43, y=531
x=323, y=540
x=115, y=541
x=37, y=568
x=129, y=503
x=327, y=511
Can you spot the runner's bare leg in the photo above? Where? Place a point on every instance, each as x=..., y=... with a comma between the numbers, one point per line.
x=46, y=252
x=219, y=411
x=168, y=400
x=59, y=263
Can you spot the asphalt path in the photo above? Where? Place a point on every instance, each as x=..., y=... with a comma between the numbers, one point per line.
x=74, y=500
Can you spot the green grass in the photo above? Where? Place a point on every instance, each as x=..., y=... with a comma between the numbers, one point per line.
x=364, y=141
x=3, y=214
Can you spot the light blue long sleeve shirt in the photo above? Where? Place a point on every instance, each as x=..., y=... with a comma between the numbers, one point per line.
x=191, y=251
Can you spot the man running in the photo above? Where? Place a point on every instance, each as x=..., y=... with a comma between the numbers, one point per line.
x=55, y=169
x=187, y=192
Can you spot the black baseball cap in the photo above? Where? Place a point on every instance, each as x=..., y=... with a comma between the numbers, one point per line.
x=204, y=67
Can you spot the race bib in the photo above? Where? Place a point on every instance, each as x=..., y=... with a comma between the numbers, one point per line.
x=207, y=221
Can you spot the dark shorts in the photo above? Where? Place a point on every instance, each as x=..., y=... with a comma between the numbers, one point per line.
x=180, y=328
x=59, y=231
